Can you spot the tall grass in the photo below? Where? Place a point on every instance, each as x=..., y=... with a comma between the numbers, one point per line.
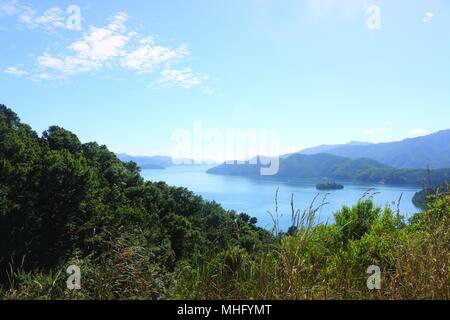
x=123, y=272
x=316, y=262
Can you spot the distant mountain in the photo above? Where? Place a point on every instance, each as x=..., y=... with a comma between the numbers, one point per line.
x=416, y=153
x=327, y=148
x=327, y=166
x=155, y=162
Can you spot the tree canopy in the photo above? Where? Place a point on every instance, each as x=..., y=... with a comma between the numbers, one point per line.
x=61, y=198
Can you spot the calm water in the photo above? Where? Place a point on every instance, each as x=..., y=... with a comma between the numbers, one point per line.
x=256, y=197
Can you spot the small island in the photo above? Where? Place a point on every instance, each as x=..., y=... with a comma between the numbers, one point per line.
x=329, y=186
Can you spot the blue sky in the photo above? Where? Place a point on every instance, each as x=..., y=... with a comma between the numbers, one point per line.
x=138, y=70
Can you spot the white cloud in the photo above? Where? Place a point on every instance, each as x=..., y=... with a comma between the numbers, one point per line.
x=15, y=71
x=147, y=56
x=41, y=77
x=115, y=47
x=102, y=44
x=185, y=78
x=428, y=16
x=51, y=20
x=48, y=61
x=414, y=133
x=97, y=48
x=9, y=8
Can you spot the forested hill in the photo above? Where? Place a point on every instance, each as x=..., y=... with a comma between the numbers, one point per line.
x=327, y=166
x=62, y=200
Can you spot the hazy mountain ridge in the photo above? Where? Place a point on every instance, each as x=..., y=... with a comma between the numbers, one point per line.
x=431, y=151
x=327, y=148
x=155, y=162
x=144, y=162
x=414, y=153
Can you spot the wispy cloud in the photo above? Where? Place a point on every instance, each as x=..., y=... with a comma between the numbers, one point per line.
x=428, y=17
x=185, y=78
x=114, y=46
x=9, y=8
x=42, y=76
x=414, y=133
x=15, y=71
x=147, y=56
x=49, y=20
x=97, y=48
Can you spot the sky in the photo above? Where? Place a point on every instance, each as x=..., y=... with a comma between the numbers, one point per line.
x=129, y=74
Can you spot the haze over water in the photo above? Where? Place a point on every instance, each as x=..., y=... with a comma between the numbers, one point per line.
x=256, y=196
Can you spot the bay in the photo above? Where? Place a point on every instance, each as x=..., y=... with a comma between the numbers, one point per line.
x=257, y=196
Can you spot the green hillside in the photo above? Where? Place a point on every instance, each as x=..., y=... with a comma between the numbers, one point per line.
x=327, y=166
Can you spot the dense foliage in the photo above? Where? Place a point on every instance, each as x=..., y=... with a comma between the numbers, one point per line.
x=66, y=203
x=61, y=200
x=327, y=166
